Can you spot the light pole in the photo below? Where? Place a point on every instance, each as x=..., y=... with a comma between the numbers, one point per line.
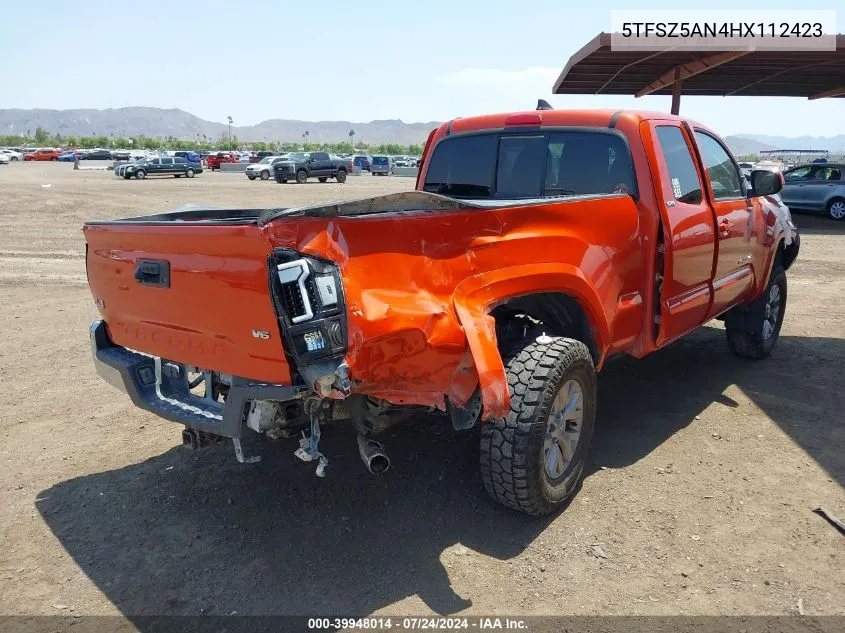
x=230, y=130
x=352, y=139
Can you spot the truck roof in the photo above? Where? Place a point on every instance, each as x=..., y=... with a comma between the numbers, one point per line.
x=590, y=118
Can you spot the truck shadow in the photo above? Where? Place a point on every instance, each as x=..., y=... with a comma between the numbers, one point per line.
x=645, y=401
x=185, y=533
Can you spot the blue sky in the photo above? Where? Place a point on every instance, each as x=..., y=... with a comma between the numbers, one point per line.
x=357, y=61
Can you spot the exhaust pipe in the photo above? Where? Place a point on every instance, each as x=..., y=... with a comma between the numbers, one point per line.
x=372, y=452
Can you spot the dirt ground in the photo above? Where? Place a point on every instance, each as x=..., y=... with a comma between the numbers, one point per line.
x=698, y=499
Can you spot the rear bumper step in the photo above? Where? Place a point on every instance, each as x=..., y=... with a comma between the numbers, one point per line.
x=168, y=396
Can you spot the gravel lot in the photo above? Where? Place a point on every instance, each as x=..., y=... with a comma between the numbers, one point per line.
x=699, y=499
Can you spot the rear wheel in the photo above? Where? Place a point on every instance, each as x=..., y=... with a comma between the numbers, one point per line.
x=322, y=179
x=140, y=174
x=301, y=176
x=265, y=175
x=341, y=175
x=532, y=459
x=768, y=310
x=189, y=173
x=836, y=209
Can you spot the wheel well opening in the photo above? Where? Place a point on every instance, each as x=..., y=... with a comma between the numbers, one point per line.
x=550, y=313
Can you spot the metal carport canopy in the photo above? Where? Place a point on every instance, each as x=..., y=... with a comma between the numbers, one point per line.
x=596, y=69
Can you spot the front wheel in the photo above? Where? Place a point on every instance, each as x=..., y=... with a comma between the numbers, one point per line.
x=301, y=176
x=341, y=175
x=758, y=338
x=265, y=175
x=836, y=209
x=532, y=459
x=251, y=177
x=140, y=174
x=189, y=173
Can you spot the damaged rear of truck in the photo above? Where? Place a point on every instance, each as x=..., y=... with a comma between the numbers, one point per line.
x=494, y=306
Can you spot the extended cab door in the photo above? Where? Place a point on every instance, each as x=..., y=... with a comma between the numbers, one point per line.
x=734, y=273
x=689, y=228
x=320, y=165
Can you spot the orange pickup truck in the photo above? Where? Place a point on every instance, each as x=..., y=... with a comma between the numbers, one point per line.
x=536, y=246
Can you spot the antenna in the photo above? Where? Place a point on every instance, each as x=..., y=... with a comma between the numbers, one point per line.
x=542, y=104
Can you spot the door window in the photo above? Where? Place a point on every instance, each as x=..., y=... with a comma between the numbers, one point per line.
x=724, y=176
x=166, y=161
x=686, y=185
x=797, y=175
x=827, y=173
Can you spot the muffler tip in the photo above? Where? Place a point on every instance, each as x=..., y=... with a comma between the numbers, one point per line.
x=373, y=455
x=378, y=464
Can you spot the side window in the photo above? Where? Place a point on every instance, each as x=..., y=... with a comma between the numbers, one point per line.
x=685, y=182
x=521, y=165
x=156, y=161
x=724, y=177
x=797, y=175
x=179, y=161
x=835, y=174
x=166, y=161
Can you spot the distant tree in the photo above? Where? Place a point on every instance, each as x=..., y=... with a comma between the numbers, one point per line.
x=415, y=150
x=41, y=135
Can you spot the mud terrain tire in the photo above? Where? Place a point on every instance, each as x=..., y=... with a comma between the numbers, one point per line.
x=771, y=308
x=515, y=449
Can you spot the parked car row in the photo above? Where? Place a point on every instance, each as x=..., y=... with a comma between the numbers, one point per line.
x=365, y=162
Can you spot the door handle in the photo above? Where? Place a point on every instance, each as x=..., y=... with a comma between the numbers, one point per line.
x=725, y=227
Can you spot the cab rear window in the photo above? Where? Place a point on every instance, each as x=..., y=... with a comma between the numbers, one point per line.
x=514, y=165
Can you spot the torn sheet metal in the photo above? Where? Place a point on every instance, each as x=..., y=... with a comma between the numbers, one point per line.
x=404, y=257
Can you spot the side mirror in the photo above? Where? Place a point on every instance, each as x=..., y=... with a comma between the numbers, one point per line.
x=765, y=182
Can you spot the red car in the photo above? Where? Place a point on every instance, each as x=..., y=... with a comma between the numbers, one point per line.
x=215, y=160
x=42, y=154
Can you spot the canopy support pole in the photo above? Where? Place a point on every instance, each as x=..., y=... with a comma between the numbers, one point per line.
x=677, y=86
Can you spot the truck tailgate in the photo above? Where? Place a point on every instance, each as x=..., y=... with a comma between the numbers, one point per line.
x=195, y=294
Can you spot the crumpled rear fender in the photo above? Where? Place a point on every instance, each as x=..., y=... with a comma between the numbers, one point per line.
x=476, y=296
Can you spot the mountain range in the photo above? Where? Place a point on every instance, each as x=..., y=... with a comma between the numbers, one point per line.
x=160, y=122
